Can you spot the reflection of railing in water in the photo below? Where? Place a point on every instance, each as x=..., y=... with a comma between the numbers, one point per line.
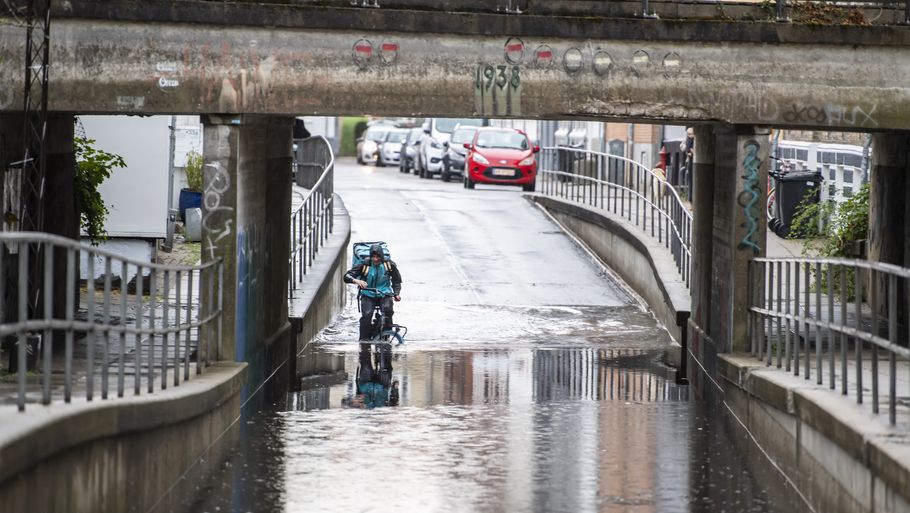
x=155, y=328
x=602, y=375
x=798, y=303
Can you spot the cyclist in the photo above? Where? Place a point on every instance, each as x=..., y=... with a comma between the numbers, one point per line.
x=385, y=280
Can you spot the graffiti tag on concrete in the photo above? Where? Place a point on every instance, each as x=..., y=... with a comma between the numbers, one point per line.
x=749, y=196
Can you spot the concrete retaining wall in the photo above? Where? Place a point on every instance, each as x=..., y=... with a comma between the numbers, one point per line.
x=117, y=455
x=642, y=263
x=841, y=458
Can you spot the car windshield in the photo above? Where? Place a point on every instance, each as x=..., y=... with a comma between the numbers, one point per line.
x=376, y=135
x=396, y=137
x=508, y=140
x=447, y=125
x=414, y=136
x=463, y=135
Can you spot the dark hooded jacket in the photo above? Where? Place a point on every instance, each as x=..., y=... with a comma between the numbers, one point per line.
x=383, y=276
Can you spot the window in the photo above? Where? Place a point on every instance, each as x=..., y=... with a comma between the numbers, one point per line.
x=508, y=140
x=854, y=160
x=848, y=192
x=802, y=155
x=848, y=176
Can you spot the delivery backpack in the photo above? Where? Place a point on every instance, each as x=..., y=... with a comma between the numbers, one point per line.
x=361, y=252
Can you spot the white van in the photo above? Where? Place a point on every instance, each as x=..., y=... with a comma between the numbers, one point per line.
x=436, y=132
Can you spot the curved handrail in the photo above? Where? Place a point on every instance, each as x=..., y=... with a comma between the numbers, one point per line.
x=162, y=325
x=807, y=312
x=638, y=192
x=64, y=242
x=312, y=221
x=639, y=165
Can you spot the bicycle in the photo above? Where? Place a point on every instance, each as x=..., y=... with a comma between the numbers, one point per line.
x=382, y=330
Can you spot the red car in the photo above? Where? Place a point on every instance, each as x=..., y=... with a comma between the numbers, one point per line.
x=502, y=156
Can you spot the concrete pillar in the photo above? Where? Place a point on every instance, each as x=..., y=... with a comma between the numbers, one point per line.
x=889, y=205
x=246, y=222
x=61, y=213
x=739, y=229
x=702, y=237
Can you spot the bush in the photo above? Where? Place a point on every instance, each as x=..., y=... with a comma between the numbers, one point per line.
x=832, y=230
x=349, y=134
x=93, y=166
x=193, y=169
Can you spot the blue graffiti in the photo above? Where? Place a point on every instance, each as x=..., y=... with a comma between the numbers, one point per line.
x=749, y=197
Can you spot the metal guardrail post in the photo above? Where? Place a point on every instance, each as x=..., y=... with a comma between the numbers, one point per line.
x=780, y=9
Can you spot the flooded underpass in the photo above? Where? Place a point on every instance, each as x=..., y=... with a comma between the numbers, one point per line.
x=530, y=380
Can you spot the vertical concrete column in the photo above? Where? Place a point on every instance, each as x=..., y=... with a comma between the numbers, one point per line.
x=889, y=205
x=739, y=229
x=246, y=222
x=61, y=213
x=702, y=236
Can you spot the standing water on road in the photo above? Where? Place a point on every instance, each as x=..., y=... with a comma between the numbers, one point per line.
x=529, y=381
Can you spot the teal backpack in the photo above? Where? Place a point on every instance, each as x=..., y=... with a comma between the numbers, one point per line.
x=362, y=253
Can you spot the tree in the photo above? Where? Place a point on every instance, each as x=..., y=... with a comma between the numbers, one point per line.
x=93, y=167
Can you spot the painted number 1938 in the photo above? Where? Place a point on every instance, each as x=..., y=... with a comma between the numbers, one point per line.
x=500, y=75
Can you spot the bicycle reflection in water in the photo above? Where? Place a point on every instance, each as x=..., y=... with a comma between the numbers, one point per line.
x=374, y=384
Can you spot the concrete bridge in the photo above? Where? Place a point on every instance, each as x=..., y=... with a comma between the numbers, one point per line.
x=733, y=79
x=296, y=58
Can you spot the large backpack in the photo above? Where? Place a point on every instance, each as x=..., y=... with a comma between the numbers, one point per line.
x=361, y=253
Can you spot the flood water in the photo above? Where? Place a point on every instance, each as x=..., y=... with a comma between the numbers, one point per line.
x=577, y=417
x=530, y=380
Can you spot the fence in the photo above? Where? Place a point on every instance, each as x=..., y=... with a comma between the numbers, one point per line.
x=625, y=188
x=141, y=320
x=312, y=221
x=801, y=306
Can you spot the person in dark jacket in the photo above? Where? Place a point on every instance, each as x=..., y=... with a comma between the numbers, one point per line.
x=381, y=275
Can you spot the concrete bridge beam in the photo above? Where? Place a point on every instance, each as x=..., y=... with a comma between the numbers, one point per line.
x=246, y=201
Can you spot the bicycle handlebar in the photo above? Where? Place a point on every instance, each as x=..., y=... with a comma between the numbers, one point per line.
x=378, y=292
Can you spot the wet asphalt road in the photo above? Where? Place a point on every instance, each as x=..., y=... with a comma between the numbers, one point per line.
x=530, y=381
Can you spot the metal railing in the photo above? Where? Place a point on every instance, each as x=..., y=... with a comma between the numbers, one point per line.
x=312, y=222
x=135, y=330
x=625, y=188
x=835, y=320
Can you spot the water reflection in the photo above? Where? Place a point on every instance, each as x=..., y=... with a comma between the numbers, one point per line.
x=490, y=376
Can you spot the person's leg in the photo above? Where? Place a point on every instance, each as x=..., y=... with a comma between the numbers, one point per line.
x=366, y=317
x=387, y=309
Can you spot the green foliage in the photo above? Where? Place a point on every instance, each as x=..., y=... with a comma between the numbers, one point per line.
x=193, y=169
x=349, y=135
x=93, y=166
x=833, y=230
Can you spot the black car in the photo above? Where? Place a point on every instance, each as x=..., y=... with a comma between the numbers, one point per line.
x=453, y=158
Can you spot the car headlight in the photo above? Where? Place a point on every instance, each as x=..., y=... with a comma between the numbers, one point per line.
x=435, y=144
x=529, y=161
x=480, y=159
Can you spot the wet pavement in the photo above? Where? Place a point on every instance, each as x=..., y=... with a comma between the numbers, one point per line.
x=529, y=381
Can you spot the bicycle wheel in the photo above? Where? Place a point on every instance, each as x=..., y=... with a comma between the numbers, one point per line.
x=392, y=337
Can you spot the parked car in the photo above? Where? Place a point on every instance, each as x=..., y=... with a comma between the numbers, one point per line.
x=409, y=150
x=503, y=156
x=390, y=148
x=368, y=144
x=436, y=131
x=455, y=152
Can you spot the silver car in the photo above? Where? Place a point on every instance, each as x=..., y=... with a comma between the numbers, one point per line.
x=390, y=148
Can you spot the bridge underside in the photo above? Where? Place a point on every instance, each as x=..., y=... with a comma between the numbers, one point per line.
x=150, y=68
